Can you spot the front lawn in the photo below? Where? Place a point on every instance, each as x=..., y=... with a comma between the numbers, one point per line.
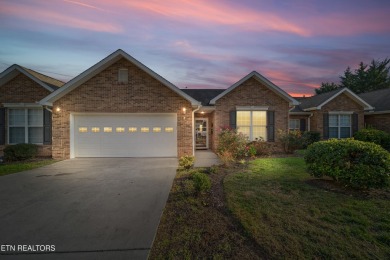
x=290, y=214
x=14, y=167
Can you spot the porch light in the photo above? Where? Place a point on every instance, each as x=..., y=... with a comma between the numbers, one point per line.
x=184, y=110
x=58, y=109
x=202, y=112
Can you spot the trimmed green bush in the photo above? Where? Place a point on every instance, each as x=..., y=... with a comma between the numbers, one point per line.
x=375, y=136
x=186, y=162
x=351, y=162
x=310, y=137
x=202, y=182
x=291, y=140
x=20, y=152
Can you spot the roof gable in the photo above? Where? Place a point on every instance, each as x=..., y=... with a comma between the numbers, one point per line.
x=102, y=65
x=318, y=101
x=46, y=82
x=262, y=80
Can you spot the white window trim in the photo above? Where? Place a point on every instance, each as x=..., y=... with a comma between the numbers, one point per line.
x=251, y=125
x=26, y=125
x=338, y=123
x=252, y=108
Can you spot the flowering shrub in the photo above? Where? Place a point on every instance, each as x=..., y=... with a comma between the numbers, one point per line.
x=233, y=146
x=232, y=142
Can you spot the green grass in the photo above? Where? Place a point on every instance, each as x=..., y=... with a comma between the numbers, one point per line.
x=23, y=166
x=288, y=217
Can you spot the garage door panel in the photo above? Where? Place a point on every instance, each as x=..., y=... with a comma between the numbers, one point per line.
x=90, y=139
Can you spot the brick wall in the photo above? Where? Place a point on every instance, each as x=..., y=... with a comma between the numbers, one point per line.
x=251, y=93
x=103, y=94
x=379, y=121
x=340, y=103
x=22, y=89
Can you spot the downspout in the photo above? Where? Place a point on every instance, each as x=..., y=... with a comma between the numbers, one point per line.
x=193, y=129
x=308, y=122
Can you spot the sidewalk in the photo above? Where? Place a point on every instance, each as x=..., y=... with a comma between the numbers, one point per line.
x=206, y=158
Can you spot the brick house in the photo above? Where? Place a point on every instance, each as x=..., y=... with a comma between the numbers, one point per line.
x=22, y=118
x=379, y=117
x=121, y=108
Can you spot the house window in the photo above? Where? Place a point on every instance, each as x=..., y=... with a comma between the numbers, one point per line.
x=294, y=125
x=252, y=124
x=339, y=126
x=145, y=129
x=83, y=130
x=123, y=76
x=95, y=129
x=156, y=129
x=25, y=126
x=107, y=129
x=132, y=129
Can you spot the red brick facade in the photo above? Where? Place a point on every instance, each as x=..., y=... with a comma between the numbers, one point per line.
x=340, y=103
x=250, y=93
x=378, y=121
x=103, y=94
x=22, y=89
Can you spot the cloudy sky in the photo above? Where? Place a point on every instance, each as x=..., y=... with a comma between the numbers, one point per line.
x=296, y=44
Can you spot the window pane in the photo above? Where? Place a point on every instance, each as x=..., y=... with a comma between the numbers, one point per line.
x=345, y=120
x=244, y=130
x=16, y=117
x=345, y=132
x=333, y=120
x=35, y=117
x=259, y=132
x=16, y=135
x=243, y=118
x=35, y=135
x=294, y=124
x=259, y=118
x=333, y=132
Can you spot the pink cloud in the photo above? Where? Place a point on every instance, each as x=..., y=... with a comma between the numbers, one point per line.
x=39, y=14
x=217, y=12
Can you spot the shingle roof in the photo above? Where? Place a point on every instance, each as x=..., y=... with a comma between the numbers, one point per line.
x=203, y=95
x=51, y=82
x=317, y=100
x=379, y=99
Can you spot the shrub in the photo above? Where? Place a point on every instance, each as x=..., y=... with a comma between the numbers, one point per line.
x=226, y=157
x=202, y=182
x=375, y=136
x=187, y=161
x=291, y=141
x=232, y=143
x=351, y=162
x=20, y=152
x=310, y=137
x=262, y=147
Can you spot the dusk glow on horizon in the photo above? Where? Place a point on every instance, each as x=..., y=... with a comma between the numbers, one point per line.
x=199, y=43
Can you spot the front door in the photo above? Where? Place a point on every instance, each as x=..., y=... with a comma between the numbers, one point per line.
x=201, y=133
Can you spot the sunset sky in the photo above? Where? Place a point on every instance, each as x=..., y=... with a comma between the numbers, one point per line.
x=199, y=43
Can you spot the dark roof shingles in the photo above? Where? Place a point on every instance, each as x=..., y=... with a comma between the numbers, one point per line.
x=54, y=84
x=203, y=95
x=379, y=99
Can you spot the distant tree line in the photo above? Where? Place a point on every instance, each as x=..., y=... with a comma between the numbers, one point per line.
x=365, y=78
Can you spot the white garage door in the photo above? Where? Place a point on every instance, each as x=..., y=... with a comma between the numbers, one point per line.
x=125, y=135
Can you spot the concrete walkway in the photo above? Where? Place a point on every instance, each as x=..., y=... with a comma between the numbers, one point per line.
x=206, y=158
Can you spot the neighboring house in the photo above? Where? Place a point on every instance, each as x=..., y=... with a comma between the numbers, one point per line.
x=121, y=108
x=335, y=114
x=379, y=118
x=22, y=118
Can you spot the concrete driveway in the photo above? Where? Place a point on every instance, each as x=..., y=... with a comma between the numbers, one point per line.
x=106, y=208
